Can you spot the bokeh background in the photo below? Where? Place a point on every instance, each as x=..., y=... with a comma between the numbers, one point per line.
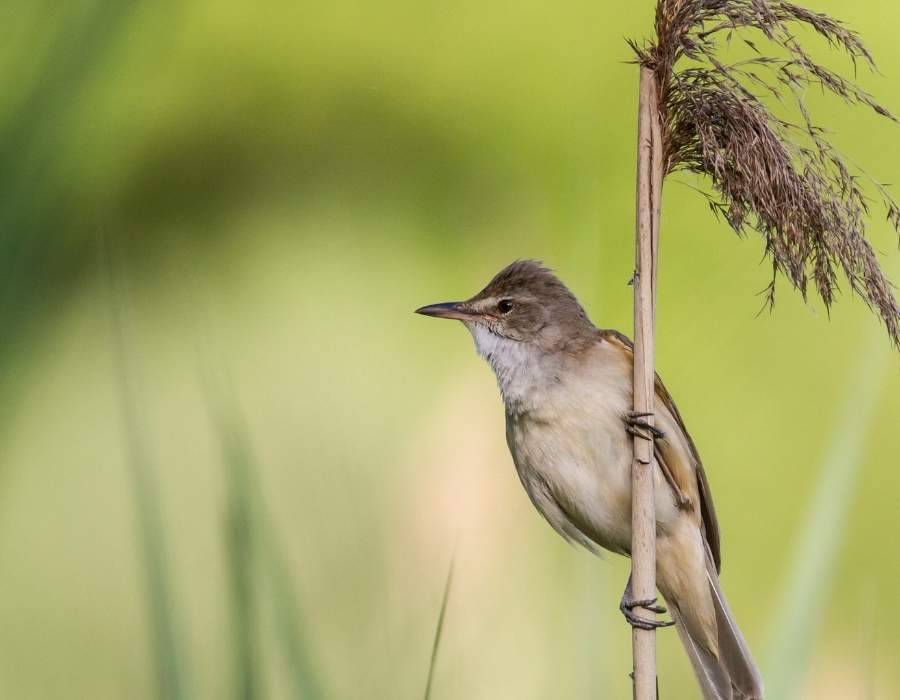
x=235, y=464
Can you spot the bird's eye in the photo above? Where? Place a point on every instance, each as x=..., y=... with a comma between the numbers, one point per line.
x=504, y=306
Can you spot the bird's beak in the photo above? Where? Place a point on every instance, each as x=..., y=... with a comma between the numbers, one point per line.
x=449, y=309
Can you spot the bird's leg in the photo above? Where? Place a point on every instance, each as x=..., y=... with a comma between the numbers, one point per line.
x=628, y=604
x=684, y=501
x=635, y=424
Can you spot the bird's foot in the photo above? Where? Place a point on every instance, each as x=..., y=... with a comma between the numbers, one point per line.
x=636, y=424
x=627, y=607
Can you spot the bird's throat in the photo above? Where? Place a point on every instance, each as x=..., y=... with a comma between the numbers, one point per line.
x=517, y=365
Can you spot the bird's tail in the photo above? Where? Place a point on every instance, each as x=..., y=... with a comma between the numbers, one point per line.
x=731, y=674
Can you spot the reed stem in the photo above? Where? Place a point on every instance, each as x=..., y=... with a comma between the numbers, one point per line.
x=643, y=515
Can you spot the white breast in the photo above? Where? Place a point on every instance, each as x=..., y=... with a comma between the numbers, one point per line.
x=567, y=438
x=576, y=447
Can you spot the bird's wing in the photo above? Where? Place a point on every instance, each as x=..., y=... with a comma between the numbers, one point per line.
x=707, y=509
x=667, y=453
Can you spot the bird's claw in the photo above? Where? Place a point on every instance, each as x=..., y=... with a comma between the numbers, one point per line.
x=627, y=607
x=635, y=424
x=648, y=604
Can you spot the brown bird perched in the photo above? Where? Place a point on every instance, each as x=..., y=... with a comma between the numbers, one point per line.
x=567, y=388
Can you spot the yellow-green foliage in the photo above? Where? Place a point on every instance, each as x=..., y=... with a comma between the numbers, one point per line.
x=282, y=184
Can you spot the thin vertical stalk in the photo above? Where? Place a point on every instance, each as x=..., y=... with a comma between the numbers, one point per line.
x=643, y=515
x=439, y=630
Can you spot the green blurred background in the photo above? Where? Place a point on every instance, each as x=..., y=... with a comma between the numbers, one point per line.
x=235, y=464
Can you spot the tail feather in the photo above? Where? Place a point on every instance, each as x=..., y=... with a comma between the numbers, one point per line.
x=731, y=673
x=711, y=675
x=734, y=653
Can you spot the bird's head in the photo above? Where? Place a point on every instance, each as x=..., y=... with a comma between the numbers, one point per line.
x=524, y=304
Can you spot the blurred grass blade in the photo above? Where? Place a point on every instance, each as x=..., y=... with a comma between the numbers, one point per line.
x=438, y=633
x=253, y=545
x=36, y=268
x=241, y=556
x=167, y=650
x=288, y=620
x=797, y=619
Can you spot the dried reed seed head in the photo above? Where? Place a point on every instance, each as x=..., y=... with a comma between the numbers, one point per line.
x=784, y=180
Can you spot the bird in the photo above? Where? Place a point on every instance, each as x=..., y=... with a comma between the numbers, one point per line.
x=566, y=387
